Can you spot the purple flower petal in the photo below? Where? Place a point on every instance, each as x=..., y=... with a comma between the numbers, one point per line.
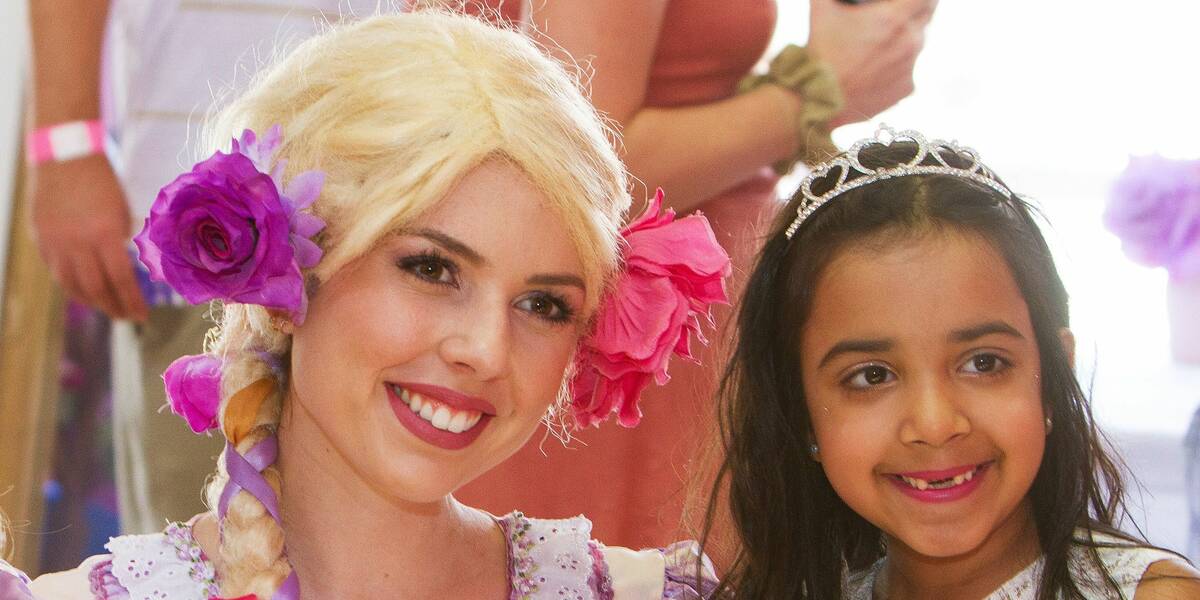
x=193, y=385
x=308, y=254
x=306, y=225
x=304, y=188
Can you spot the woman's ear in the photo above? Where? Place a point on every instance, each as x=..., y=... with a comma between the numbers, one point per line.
x=1067, y=338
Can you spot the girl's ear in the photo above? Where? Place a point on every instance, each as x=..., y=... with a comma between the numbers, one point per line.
x=1067, y=338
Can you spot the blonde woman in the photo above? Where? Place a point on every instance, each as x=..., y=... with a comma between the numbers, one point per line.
x=419, y=257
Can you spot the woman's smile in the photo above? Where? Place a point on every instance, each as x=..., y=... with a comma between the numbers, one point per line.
x=440, y=416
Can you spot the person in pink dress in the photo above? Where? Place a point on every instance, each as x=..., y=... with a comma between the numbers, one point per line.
x=668, y=71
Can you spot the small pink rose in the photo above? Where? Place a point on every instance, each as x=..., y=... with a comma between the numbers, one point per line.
x=194, y=390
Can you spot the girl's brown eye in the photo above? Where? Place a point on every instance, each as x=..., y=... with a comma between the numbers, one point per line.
x=869, y=376
x=985, y=363
x=875, y=375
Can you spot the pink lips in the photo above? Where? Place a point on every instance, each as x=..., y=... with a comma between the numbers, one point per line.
x=950, y=494
x=425, y=430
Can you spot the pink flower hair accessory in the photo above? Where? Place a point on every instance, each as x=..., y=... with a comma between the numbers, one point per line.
x=674, y=271
x=230, y=229
x=194, y=390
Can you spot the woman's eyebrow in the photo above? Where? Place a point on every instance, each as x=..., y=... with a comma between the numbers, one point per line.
x=460, y=248
x=449, y=243
x=557, y=279
x=974, y=332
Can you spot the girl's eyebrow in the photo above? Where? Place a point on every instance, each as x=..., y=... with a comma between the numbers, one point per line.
x=975, y=332
x=966, y=334
x=848, y=346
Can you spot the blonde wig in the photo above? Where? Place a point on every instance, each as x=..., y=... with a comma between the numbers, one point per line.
x=396, y=110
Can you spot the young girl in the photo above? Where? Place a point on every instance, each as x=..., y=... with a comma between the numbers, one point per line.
x=417, y=254
x=901, y=416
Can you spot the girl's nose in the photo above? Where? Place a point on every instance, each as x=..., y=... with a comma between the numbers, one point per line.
x=933, y=415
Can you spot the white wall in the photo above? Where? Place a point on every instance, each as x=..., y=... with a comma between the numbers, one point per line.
x=13, y=53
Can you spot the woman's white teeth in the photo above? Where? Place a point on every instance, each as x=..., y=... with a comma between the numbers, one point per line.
x=439, y=415
x=458, y=423
x=941, y=484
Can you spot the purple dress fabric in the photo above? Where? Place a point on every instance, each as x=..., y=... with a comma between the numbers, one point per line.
x=548, y=559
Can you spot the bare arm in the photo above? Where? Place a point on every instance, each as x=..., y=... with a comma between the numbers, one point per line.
x=66, y=37
x=692, y=152
x=80, y=216
x=696, y=152
x=1169, y=580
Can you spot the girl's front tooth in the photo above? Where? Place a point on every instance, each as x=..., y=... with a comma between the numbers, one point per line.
x=958, y=479
x=427, y=411
x=458, y=423
x=441, y=418
x=922, y=484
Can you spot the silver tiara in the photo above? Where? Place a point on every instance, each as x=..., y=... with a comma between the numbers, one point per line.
x=846, y=162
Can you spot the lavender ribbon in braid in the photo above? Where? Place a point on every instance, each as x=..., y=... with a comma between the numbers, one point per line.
x=245, y=473
x=13, y=587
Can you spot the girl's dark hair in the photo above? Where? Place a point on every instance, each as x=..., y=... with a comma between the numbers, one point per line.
x=796, y=534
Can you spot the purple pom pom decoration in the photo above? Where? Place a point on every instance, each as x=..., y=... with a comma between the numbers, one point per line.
x=1155, y=210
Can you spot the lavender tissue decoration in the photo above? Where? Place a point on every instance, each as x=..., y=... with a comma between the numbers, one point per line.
x=1155, y=210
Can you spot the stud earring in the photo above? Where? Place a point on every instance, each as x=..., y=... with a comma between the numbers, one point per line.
x=1049, y=425
x=815, y=452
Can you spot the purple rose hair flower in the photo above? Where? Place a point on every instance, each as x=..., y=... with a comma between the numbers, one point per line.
x=230, y=230
x=1155, y=210
x=194, y=390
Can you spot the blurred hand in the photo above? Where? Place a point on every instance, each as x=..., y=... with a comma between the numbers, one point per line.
x=81, y=223
x=872, y=47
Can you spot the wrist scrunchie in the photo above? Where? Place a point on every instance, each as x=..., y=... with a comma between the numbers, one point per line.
x=797, y=69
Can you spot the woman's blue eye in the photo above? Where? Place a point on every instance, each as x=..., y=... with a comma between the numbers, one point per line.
x=546, y=306
x=870, y=376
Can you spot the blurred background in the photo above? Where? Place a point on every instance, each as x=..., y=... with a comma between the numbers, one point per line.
x=1056, y=96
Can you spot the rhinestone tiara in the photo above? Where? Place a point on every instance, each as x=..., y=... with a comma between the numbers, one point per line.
x=975, y=171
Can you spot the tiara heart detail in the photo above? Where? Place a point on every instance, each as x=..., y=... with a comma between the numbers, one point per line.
x=927, y=151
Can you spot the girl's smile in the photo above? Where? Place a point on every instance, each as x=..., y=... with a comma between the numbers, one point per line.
x=921, y=373
x=944, y=485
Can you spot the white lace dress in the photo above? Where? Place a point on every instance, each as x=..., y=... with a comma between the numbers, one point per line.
x=1125, y=564
x=548, y=560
